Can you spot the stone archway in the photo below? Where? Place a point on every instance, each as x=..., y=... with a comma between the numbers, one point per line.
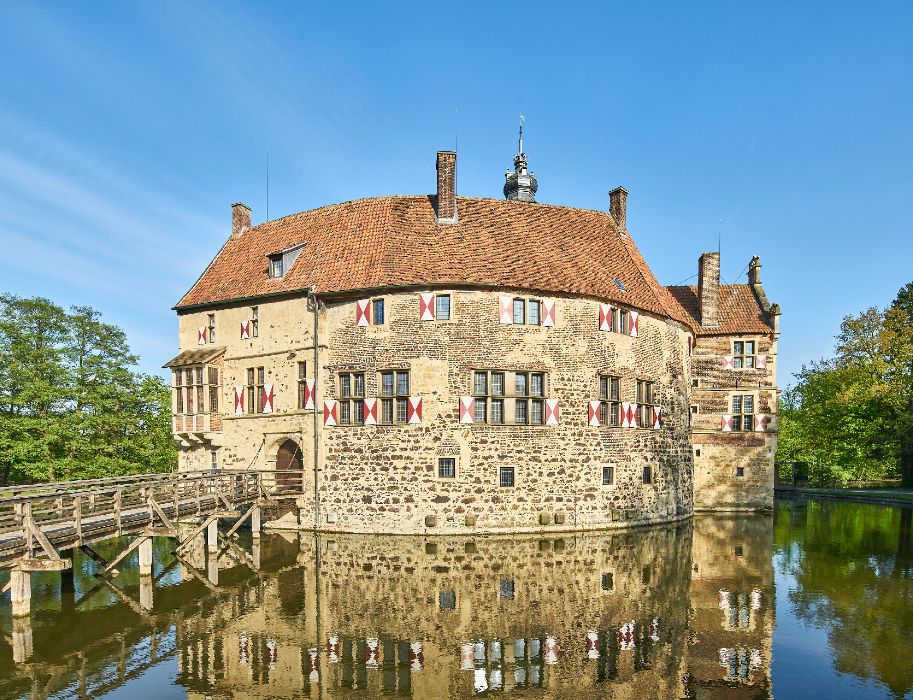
x=290, y=466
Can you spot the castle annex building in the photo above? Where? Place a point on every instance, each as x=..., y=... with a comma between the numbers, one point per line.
x=440, y=363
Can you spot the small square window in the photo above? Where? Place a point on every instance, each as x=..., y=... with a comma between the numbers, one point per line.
x=697, y=451
x=442, y=307
x=378, y=306
x=608, y=581
x=506, y=589
x=446, y=600
x=446, y=468
x=506, y=477
x=608, y=476
x=738, y=550
x=740, y=471
x=695, y=382
x=648, y=474
x=275, y=266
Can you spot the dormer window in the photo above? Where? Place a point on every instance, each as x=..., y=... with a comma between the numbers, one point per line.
x=280, y=263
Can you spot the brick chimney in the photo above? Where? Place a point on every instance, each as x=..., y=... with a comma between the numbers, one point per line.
x=240, y=218
x=446, y=207
x=618, y=205
x=708, y=289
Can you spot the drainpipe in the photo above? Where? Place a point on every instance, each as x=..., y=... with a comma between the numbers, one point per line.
x=315, y=304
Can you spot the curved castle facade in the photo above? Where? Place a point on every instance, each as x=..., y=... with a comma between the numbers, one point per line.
x=451, y=364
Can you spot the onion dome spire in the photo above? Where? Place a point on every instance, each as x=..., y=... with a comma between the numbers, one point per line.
x=520, y=184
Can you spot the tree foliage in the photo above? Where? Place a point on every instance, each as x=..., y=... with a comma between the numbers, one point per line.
x=851, y=417
x=71, y=407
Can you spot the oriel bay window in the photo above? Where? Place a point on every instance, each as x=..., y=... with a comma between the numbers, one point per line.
x=644, y=404
x=196, y=390
x=352, y=398
x=394, y=396
x=743, y=412
x=609, y=399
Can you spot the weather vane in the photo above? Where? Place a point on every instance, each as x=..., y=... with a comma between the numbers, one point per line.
x=522, y=120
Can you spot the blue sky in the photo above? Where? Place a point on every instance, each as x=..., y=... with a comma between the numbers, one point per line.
x=127, y=130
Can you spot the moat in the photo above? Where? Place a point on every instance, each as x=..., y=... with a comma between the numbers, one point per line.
x=815, y=600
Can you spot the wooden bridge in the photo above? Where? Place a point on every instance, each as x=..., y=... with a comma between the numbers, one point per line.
x=41, y=524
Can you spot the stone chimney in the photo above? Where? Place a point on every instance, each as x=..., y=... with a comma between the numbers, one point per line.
x=708, y=289
x=240, y=218
x=618, y=205
x=446, y=188
x=754, y=271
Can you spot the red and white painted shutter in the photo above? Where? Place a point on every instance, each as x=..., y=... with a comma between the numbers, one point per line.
x=370, y=411
x=201, y=335
x=760, y=361
x=416, y=656
x=467, y=409
x=414, y=409
x=627, y=636
x=310, y=394
x=245, y=330
x=333, y=648
x=506, y=310
x=330, y=412
x=724, y=599
x=755, y=598
x=657, y=417
x=551, y=651
x=426, y=308
x=633, y=416
x=605, y=317
x=654, y=630
x=726, y=424
x=728, y=362
x=371, y=652
x=239, y=400
x=625, y=423
x=548, y=312
x=592, y=644
x=552, y=415
x=363, y=312
x=633, y=323
x=593, y=412
x=314, y=674
x=268, y=396
x=760, y=423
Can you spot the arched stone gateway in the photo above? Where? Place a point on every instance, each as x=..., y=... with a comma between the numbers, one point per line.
x=290, y=466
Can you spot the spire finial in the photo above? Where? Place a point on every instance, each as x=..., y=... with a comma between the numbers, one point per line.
x=522, y=119
x=520, y=184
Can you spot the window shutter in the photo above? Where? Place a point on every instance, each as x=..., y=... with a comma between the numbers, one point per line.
x=414, y=409
x=426, y=308
x=724, y=599
x=592, y=644
x=633, y=323
x=551, y=651
x=330, y=412
x=632, y=415
x=416, y=656
x=506, y=310
x=625, y=414
x=201, y=335
x=268, y=397
x=548, y=312
x=245, y=330
x=370, y=411
x=727, y=424
x=728, y=362
x=760, y=362
x=309, y=394
x=551, y=412
x=605, y=317
x=760, y=423
x=467, y=409
x=363, y=312
x=626, y=636
x=657, y=417
x=239, y=400
x=593, y=413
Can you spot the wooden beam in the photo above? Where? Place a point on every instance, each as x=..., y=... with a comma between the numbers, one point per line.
x=32, y=564
x=34, y=530
x=158, y=510
x=187, y=540
x=196, y=574
x=93, y=555
x=111, y=564
x=240, y=522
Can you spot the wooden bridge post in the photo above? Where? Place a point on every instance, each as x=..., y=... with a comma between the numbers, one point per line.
x=145, y=557
x=255, y=521
x=21, y=592
x=212, y=536
x=22, y=639
x=212, y=568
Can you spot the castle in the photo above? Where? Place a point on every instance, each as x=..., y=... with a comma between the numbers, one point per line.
x=446, y=364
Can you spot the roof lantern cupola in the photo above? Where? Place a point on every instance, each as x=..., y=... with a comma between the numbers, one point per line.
x=520, y=184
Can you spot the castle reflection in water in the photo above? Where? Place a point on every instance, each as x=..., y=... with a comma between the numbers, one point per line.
x=649, y=613
x=672, y=612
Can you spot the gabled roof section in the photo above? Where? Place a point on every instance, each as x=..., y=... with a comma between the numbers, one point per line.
x=395, y=242
x=739, y=310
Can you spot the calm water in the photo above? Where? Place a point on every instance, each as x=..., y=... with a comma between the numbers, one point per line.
x=815, y=601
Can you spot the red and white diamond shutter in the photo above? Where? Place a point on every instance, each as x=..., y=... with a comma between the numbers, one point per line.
x=760, y=362
x=633, y=323
x=633, y=416
x=552, y=415
x=605, y=317
x=625, y=414
x=657, y=417
x=309, y=394
x=239, y=400
x=592, y=644
x=728, y=362
x=201, y=335
x=426, y=308
x=245, y=330
x=268, y=397
x=370, y=411
x=363, y=312
x=506, y=310
x=760, y=422
x=330, y=412
x=726, y=424
x=467, y=409
x=593, y=412
x=414, y=409
x=548, y=312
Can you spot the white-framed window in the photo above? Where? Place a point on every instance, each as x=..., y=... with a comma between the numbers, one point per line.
x=608, y=475
x=442, y=307
x=645, y=404
x=351, y=398
x=743, y=354
x=378, y=311
x=255, y=321
x=610, y=400
x=211, y=322
x=446, y=467
x=743, y=409
x=506, y=477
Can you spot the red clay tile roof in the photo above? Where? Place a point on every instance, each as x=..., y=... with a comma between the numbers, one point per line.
x=739, y=311
x=395, y=242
